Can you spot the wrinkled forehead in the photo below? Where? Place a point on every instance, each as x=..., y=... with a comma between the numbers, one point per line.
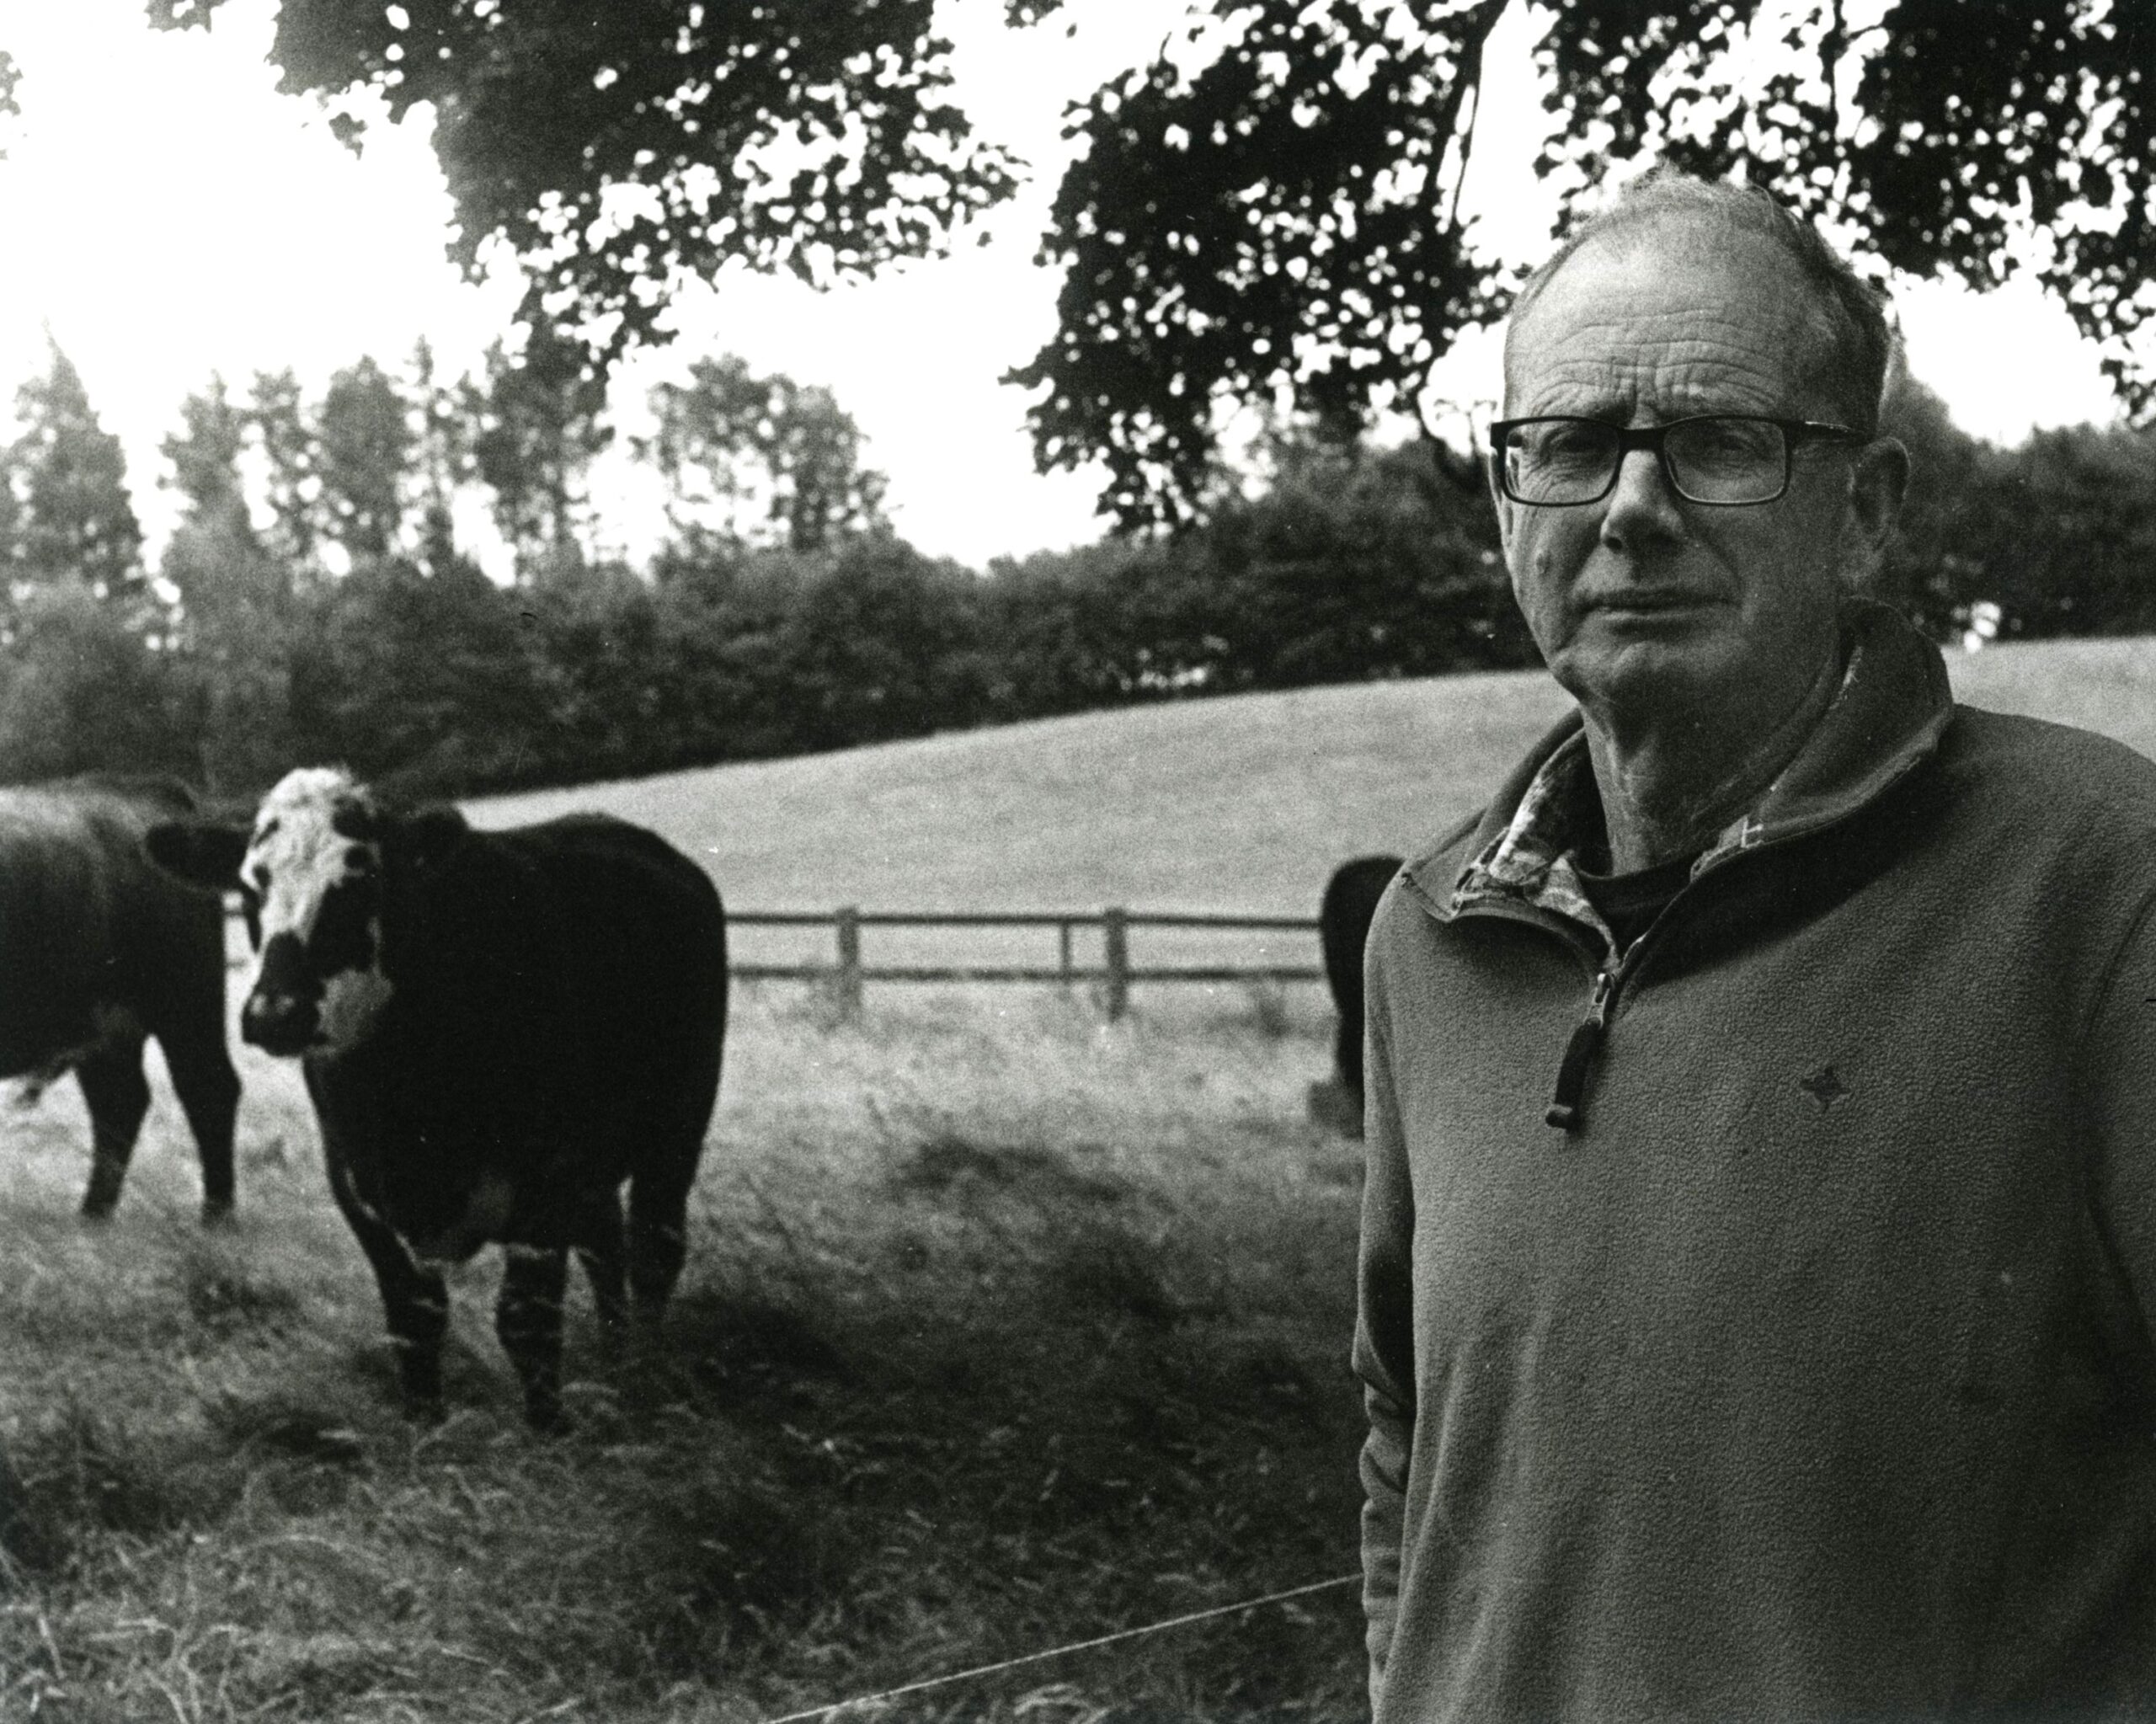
x=307, y=836
x=1672, y=316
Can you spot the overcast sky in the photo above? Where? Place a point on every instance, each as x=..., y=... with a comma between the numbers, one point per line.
x=168, y=215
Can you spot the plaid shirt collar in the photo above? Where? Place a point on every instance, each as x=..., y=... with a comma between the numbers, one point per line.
x=1534, y=860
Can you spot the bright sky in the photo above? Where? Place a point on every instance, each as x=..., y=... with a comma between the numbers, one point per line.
x=167, y=214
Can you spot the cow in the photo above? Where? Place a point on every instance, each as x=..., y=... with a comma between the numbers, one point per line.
x=498, y=1030
x=99, y=951
x=1344, y=924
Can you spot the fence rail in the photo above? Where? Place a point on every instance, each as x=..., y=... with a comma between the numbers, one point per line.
x=848, y=974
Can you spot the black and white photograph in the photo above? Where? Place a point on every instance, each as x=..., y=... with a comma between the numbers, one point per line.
x=1077, y=861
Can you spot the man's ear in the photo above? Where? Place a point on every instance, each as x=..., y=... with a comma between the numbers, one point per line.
x=204, y=853
x=1878, y=482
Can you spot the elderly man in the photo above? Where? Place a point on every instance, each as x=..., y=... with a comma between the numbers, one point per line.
x=1760, y=1242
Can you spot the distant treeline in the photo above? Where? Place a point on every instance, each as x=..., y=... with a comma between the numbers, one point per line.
x=314, y=604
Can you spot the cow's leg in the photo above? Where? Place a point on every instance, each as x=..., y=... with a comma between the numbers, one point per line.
x=414, y=1299
x=208, y=1088
x=118, y=1095
x=600, y=1250
x=528, y=1319
x=658, y=1231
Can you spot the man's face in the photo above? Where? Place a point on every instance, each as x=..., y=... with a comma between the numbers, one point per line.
x=1644, y=603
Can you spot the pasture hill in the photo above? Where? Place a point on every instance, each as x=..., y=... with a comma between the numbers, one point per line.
x=1002, y=1328
x=1243, y=802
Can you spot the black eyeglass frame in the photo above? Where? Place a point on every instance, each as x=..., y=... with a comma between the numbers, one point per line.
x=1795, y=434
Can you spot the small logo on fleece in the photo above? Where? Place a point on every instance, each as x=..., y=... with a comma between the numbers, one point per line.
x=1825, y=1086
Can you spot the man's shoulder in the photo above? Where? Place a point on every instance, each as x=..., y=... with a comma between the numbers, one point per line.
x=2029, y=804
x=1425, y=881
x=2058, y=772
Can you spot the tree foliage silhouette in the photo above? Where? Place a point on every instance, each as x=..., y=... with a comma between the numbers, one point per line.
x=760, y=460
x=68, y=517
x=622, y=147
x=1269, y=212
x=1283, y=224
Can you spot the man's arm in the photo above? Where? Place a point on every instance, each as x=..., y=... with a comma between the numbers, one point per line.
x=1384, y=1336
x=2118, y=1071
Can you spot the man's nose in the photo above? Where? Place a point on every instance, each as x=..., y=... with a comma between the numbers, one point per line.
x=1642, y=510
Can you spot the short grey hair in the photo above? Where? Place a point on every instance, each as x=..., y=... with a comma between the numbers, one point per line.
x=1866, y=350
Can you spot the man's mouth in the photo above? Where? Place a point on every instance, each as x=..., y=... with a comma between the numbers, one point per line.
x=1666, y=599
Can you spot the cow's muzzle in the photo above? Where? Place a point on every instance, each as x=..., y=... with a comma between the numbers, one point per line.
x=278, y=1024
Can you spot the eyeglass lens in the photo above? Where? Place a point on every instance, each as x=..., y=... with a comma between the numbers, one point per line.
x=1711, y=460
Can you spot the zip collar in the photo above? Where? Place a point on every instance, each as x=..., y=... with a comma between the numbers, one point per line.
x=1894, y=704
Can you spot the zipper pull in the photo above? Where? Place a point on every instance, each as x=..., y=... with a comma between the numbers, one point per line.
x=1564, y=1110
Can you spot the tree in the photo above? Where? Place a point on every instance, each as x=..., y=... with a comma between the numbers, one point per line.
x=1348, y=563
x=82, y=691
x=1283, y=224
x=235, y=622
x=1934, y=566
x=746, y=455
x=882, y=643
x=363, y=446
x=2067, y=526
x=536, y=427
x=277, y=423
x=1270, y=212
x=69, y=519
x=621, y=147
x=441, y=454
x=417, y=678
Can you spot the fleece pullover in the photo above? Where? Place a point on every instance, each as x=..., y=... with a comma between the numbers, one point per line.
x=1809, y=1375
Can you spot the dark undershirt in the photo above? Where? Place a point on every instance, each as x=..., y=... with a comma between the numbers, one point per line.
x=1629, y=902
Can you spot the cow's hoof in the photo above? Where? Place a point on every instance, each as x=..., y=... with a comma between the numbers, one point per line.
x=96, y=1209
x=216, y=1212
x=545, y=1415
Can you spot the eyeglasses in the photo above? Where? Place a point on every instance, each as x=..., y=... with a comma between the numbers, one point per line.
x=1722, y=459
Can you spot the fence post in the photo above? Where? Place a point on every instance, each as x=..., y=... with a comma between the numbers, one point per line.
x=848, y=920
x=1115, y=929
x=1063, y=942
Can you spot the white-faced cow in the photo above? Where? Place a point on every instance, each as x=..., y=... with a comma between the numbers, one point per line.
x=499, y=1030
x=1343, y=926
x=100, y=950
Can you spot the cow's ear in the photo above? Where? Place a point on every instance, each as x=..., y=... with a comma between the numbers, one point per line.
x=431, y=834
x=202, y=852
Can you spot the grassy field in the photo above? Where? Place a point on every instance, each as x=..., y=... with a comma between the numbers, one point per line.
x=1002, y=1328
x=1242, y=805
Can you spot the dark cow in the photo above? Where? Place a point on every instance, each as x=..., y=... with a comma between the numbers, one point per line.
x=1344, y=924
x=99, y=950
x=497, y=1029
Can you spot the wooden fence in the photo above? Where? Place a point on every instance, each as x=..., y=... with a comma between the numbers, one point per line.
x=847, y=972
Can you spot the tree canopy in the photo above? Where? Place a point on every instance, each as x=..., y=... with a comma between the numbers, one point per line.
x=66, y=517
x=1284, y=224
x=1270, y=212
x=622, y=147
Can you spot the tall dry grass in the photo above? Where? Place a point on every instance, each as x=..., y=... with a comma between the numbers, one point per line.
x=1001, y=1328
